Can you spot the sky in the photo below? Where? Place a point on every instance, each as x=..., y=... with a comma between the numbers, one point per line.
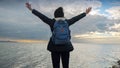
x=103, y=22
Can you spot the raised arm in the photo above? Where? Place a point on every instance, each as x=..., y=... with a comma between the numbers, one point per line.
x=38, y=14
x=78, y=17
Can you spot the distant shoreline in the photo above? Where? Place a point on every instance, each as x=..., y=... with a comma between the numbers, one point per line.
x=24, y=41
x=9, y=41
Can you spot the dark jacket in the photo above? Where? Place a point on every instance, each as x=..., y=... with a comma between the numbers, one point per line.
x=50, y=22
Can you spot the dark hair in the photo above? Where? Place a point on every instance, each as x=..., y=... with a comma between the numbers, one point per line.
x=59, y=12
x=118, y=62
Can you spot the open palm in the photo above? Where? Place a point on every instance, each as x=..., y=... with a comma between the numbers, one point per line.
x=88, y=10
x=28, y=5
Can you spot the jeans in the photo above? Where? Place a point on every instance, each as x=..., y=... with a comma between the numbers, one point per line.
x=64, y=56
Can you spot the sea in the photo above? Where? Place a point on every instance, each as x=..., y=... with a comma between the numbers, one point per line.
x=35, y=55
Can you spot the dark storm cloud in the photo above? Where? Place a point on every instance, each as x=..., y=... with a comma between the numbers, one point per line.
x=16, y=21
x=27, y=31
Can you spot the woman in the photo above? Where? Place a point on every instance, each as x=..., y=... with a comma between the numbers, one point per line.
x=62, y=51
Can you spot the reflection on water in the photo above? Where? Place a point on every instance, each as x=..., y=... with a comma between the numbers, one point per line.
x=35, y=55
x=94, y=56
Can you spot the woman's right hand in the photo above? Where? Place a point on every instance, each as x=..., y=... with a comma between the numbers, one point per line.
x=88, y=10
x=28, y=5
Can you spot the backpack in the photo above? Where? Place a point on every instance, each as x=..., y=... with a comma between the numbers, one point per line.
x=61, y=32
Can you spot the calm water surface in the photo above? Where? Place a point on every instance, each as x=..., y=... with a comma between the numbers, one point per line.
x=35, y=55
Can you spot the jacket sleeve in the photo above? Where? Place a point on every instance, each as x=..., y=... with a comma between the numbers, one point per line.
x=42, y=17
x=76, y=18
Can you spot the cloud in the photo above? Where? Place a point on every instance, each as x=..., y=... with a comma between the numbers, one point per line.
x=114, y=12
x=98, y=38
x=92, y=23
x=116, y=3
x=115, y=27
x=99, y=35
x=95, y=12
x=71, y=8
x=17, y=21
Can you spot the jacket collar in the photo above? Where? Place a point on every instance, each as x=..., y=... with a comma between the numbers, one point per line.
x=59, y=18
